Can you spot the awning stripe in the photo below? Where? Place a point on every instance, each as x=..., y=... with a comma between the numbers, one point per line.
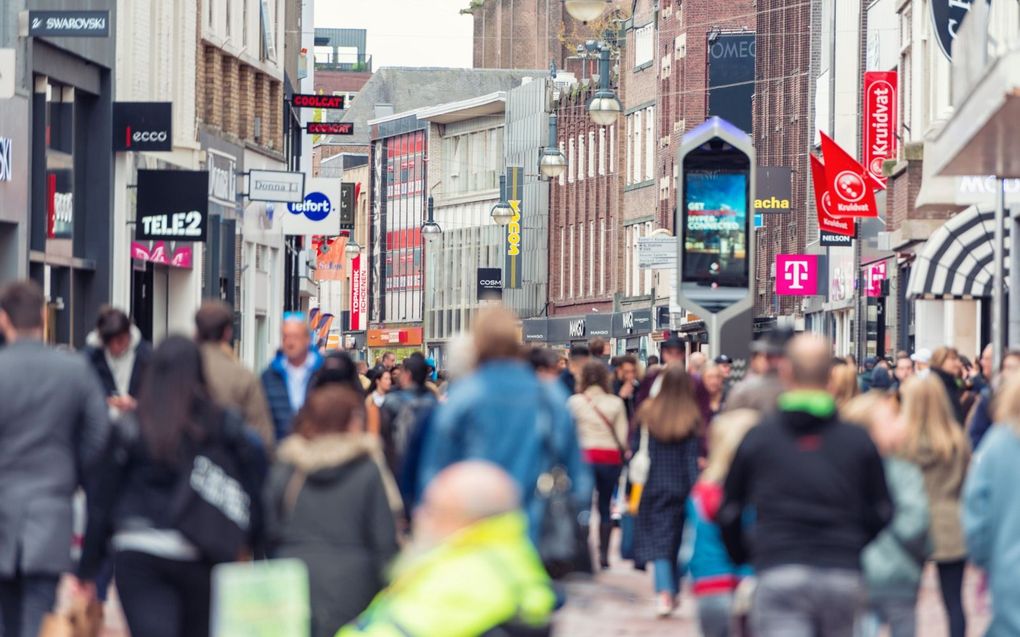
x=957, y=259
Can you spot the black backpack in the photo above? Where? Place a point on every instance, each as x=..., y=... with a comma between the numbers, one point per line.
x=215, y=504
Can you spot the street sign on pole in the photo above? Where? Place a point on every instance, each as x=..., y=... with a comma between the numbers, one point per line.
x=715, y=252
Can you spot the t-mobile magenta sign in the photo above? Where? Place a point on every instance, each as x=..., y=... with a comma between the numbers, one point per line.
x=796, y=274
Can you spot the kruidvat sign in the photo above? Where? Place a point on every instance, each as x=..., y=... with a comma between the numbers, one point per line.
x=828, y=225
x=330, y=128
x=276, y=185
x=333, y=102
x=143, y=126
x=69, y=24
x=796, y=274
x=173, y=205
x=847, y=183
x=879, y=122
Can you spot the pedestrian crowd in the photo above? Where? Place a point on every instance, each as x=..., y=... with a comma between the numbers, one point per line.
x=804, y=498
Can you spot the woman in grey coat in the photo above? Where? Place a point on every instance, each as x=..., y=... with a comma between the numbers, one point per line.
x=330, y=502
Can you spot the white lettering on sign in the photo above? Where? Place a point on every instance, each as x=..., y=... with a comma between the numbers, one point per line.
x=74, y=24
x=220, y=490
x=796, y=273
x=576, y=328
x=175, y=224
x=148, y=136
x=6, y=166
x=63, y=207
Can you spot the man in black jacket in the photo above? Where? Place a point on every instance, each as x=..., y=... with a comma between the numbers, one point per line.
x=817, y=492
x=119, y=355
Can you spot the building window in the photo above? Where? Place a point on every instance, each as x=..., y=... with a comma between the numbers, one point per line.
x=563, y=151
x=628, y=158
x=581, y=261
x=612, y=149
x=571, y=164
x=580, y=157
x=244, y=23
x=648, y=272
x=591, y=153
x=209, y=14
x=644, y=44
x=570, y=270
x=602, y=150
x=229, y=29
x=563, y=258
x=636, y=148
x=591, y=259
x=603, y=257
x=650, y=143
x=680, y=46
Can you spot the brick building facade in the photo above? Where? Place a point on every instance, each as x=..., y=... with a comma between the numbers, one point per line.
x=521, y=34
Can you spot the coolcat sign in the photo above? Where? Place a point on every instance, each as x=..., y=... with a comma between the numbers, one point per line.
x=879, y=122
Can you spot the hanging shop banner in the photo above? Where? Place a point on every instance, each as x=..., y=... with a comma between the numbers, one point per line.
x=946, y=16
x=796, y=274
x=302, y=100
x=330, y=128
x=513, y=270
x=879, y=122
x=731, y=63
x=330, y=257
x=359, y=294
x=490, y=284
x=276, y=185
x=827, y=224
x=348, y=195
x=876, y=273
x=773, y=190
x=832, y=240
x=319, y=213
x=849, y=186
x=143, y=126
x=385, y=338
x=173, y=205
x=179, y=255
x=222, y=178
x=69, y=24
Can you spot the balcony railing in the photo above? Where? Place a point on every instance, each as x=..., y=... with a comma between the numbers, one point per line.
x=363, y=64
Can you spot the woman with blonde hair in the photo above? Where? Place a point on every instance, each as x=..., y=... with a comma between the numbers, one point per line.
x=938, y=445
x=714, y=576
x=673, y=419
x=991, y=509
x=893, y=562
x=843, y=384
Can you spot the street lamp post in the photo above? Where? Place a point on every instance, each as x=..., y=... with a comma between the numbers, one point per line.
x=604, y=107
x=552, y=163
x=585, y=10
x=430, y=233
x=502, y=212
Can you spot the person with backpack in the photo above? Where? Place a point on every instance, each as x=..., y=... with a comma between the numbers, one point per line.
x=330, y=502
x=602, y=426
x=403, y=410
x=179, y=491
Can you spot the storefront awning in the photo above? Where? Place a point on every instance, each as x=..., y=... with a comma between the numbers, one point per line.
x=958, y=259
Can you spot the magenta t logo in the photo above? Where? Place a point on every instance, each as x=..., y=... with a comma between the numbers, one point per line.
x=796, y=274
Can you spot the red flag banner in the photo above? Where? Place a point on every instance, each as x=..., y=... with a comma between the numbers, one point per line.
x=849, y=186
x=823, y=202
x=879, y=122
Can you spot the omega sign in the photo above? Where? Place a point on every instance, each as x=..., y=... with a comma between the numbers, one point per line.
x=172, y=205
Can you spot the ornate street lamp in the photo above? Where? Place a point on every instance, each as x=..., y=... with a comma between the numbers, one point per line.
x=552, y=163
x=605, y=106
x=502, y=212
x=430, y=230
x=353, y=248
x=585, y=10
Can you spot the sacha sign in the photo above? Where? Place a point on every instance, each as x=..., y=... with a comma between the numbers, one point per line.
x=879, y=122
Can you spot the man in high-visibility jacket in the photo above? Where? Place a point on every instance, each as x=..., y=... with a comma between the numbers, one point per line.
x=471, y=571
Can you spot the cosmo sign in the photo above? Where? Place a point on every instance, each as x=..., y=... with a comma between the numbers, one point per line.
x=319, y=213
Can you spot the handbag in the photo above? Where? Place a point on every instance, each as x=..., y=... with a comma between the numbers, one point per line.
x=563, y=538
x=640, y=463
x=212, y=505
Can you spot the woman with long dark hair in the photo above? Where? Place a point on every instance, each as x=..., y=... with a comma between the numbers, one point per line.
x=381, y=384
x=673, y=419
x=147, y=509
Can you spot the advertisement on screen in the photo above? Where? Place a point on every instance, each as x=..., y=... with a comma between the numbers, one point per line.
x=715, y=232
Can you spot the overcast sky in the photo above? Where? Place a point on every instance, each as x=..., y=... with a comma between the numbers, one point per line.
x=405, y=32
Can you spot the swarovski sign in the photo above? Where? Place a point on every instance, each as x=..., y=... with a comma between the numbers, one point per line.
x=275, y=185
x=74, y=24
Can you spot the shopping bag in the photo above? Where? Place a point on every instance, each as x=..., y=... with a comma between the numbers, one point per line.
x=82, y=619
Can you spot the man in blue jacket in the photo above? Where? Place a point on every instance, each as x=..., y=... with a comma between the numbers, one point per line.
x=504, y=414
x=286, y=379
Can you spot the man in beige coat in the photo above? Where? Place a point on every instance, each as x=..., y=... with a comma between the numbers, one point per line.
x=231, y=384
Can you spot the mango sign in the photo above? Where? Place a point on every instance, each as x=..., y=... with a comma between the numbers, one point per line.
x=514, y=230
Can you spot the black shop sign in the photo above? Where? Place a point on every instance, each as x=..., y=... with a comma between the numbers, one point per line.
x=173, y=205
x=142, y=126
x=333, y=102
x=490, y=284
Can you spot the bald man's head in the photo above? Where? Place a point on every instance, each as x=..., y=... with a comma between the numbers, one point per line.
x=809, y=362
x=461, y=495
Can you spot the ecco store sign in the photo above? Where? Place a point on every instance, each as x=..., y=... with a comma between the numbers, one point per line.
x=143, y=126
x=69, y=24
x=317, y=213
x=275, y=185
x=172, y=205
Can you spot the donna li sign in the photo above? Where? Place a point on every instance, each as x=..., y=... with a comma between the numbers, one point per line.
x=173, y=205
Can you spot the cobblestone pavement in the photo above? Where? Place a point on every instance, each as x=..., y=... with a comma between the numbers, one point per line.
x=619, y=603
